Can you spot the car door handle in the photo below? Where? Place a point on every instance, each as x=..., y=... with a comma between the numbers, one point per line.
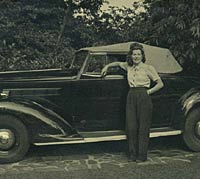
x=4, y=94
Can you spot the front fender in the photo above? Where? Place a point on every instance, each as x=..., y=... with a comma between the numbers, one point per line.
x=190, y=99
x=37, y=112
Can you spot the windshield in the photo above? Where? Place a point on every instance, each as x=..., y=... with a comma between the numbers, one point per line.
x=79, y=59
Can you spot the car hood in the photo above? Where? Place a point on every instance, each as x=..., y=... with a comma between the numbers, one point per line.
x=37, y=74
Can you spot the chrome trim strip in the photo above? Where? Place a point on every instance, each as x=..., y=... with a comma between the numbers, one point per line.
x=166, y=133
x=111, y=77
x=30, y=89
x=29, y=71
x=40, y=79
x=93, y=132
x=92, y=75
x=98, y=53
x=109, y=138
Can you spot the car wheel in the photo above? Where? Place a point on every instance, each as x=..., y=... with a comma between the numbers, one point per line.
x=191, y=133
x=14, y=140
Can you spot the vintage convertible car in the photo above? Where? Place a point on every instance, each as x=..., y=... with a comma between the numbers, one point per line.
x=78, y=105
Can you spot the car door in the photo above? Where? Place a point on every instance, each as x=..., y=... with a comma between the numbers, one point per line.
x=166, y=104
x=100, y=101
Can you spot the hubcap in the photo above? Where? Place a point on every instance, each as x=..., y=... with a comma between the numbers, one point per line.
x=7, y=139
x=197, y=129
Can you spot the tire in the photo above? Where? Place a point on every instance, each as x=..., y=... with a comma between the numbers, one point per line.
x=15, y=148
x=190, y=135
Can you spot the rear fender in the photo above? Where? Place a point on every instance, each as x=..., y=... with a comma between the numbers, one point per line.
x=190, y=100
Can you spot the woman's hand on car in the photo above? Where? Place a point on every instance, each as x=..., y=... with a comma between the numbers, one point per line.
x=149, y=92
x=104, y=71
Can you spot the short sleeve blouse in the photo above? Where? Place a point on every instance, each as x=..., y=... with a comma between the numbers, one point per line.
x=140, y=75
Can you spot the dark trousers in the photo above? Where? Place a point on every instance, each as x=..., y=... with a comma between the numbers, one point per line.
x=138, y=121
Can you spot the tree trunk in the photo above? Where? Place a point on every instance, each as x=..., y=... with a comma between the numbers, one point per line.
x=65, y=20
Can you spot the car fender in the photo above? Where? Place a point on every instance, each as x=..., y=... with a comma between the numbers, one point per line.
x=190, y=100
x=37, y=112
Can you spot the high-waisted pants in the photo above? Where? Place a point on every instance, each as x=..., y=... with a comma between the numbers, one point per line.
x=138, y=121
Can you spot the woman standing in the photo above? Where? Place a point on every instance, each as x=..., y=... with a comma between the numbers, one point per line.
x=139, y=104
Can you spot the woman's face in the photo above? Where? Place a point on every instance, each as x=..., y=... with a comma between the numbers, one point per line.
x=137, y=56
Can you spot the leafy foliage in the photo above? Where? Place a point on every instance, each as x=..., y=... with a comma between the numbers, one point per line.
x=28, y=32
x=176, y=25
x=45, y=34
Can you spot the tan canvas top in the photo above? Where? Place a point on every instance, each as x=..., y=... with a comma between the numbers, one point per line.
x=161, y=58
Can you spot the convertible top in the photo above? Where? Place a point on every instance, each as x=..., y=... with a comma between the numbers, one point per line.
x=161, y=58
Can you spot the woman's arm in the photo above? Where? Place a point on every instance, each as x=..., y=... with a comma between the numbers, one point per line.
x=159, y=85
x=113, y=64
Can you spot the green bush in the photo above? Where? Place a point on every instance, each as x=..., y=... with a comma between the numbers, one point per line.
x=29, y=31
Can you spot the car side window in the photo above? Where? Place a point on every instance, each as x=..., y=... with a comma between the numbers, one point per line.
x=116, y=58
x=95, y=64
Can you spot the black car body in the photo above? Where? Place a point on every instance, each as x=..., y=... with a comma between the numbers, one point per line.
x=78, y=105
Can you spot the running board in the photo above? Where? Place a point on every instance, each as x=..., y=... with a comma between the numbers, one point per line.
x=108, y=138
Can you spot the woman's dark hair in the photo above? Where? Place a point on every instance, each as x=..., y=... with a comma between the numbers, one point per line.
x=135, y=46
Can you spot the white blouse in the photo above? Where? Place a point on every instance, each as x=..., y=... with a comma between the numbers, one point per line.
x=140, y=75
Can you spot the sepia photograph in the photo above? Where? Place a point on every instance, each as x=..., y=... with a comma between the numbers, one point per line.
x=99, y=89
